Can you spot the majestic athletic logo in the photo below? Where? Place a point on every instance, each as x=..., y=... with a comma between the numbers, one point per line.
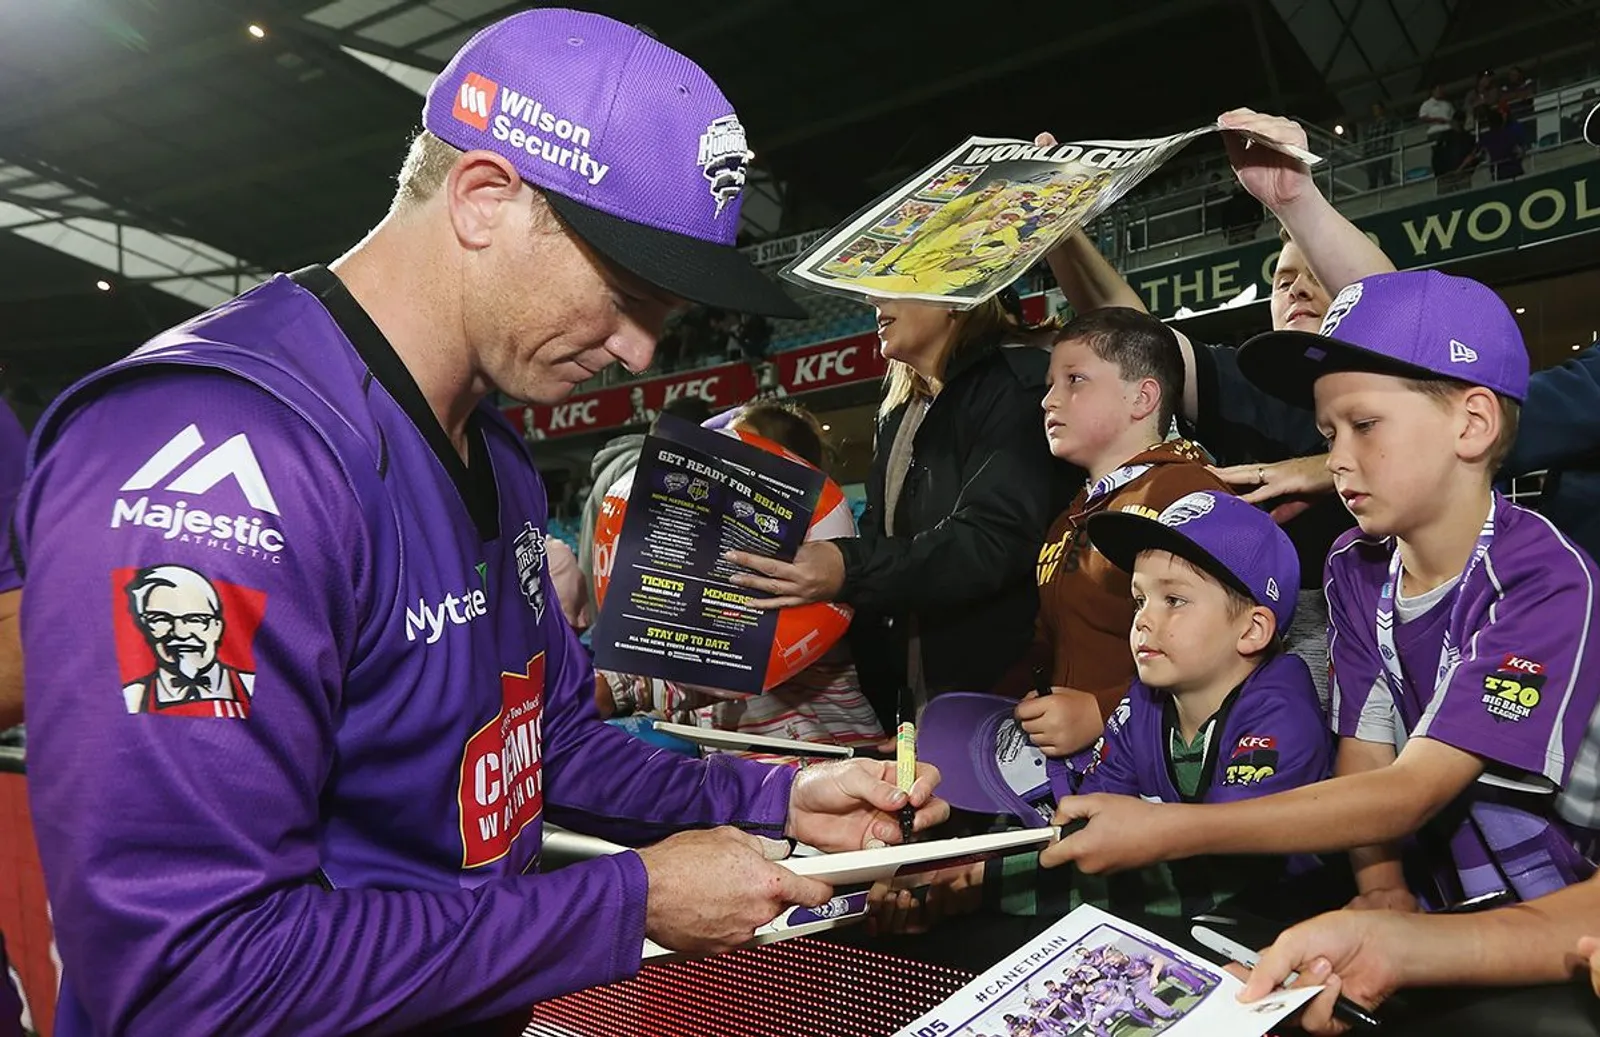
x=184, y=642
x=529, y=549
x=1188, y=508
x=1343, y=303
x=724, y=154
x=474, y=100
x=233, y=459
x=1461, y=353
x=176, y=469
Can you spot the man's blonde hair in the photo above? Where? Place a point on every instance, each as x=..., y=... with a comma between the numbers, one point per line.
x=426, y=167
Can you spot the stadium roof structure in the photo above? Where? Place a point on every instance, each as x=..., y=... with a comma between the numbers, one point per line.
x=158, y=155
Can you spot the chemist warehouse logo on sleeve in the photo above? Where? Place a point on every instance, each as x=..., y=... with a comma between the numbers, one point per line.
x=165, y=495
x=502, y=773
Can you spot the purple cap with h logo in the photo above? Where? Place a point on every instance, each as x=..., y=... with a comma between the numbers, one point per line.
x=1231, y=539
x=1412, y=324
x=636, y=149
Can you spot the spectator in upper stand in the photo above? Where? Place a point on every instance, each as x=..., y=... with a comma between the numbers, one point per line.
x=1455, y=151
x=1482, y=99
x=669, y=347
x=753, y=334
x=1377, y=141
x=1500, y=143
x=1518, y=94
x=1572, y=116
x=1436, y=113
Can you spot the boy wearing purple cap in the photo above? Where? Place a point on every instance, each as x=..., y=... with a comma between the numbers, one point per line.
x=300, y=697
x=1464, y=665
x=1218, y=712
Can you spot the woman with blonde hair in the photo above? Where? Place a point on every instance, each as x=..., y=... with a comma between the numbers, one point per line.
x=962, y=489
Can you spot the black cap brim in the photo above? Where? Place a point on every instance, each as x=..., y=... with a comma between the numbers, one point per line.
x=1287, y=364
x=1121, y=536
x=1591, y=126
x=689, y=268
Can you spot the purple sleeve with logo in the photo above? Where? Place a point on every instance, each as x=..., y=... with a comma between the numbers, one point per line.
x=1525, y=687
x=603, y=781
x=1113, y=763
x=13, y=455
x=1356, y=669
x=181, y=853
x=1276, y=739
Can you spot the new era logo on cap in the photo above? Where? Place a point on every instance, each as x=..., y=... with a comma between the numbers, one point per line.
x=1272, y=588
x=474, y=100
x=1461, y=353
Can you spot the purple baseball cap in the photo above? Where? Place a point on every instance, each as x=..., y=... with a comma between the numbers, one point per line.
x=986, y=762
x=1231, y=539
x=1413, y=324
x=636, y=149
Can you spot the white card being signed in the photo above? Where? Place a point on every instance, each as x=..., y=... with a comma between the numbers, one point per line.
x=1093, y=974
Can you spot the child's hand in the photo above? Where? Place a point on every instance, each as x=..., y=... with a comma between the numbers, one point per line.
x=893, y=907
x=1589, y=947
x=1061, y=723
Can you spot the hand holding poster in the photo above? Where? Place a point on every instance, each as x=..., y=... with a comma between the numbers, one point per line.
x=670, y=610
x=977, y=218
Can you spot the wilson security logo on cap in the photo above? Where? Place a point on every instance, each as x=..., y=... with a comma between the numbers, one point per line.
x=474, y=100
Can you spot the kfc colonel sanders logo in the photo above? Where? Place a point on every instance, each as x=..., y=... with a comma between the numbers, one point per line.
x=184, y=642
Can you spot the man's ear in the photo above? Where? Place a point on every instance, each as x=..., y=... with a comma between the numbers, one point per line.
x=479, y=193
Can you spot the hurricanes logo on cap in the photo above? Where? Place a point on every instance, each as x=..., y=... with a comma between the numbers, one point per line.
x=1187, y=509
x=1343, y=303
x=723, y=157
x=474, y=100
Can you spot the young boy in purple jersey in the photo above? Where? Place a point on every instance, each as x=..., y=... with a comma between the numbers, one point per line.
x=1218, y=713
x=300, y=696
x=1465, y=670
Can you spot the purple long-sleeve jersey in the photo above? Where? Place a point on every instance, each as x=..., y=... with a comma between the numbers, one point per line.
x=300, y=698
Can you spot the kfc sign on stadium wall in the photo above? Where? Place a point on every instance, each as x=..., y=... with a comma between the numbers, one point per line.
x=824, y=366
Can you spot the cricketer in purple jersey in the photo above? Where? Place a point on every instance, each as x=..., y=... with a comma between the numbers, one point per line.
x=1518, y=691
x=418, y=707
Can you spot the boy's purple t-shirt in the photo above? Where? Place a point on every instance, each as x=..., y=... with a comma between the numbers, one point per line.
x=1522, y=683
x=296, y=719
